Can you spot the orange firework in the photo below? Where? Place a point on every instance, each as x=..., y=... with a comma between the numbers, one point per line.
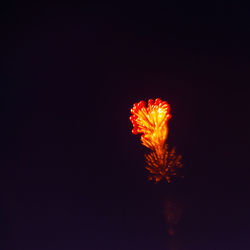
x=151, y=121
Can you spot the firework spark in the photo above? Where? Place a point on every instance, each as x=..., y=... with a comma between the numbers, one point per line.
x=151, y=121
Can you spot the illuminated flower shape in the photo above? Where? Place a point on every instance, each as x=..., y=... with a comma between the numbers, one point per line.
x=151, y=122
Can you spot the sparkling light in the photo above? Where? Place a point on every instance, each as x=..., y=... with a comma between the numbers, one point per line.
x=151, y=122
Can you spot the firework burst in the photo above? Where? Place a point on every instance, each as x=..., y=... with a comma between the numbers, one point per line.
x=151, y=121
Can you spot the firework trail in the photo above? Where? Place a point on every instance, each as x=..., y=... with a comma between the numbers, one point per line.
x=151, y=121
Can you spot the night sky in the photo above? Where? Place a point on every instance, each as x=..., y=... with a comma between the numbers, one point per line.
x=72, y=174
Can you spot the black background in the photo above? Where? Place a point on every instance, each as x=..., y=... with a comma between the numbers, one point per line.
x=72, y=173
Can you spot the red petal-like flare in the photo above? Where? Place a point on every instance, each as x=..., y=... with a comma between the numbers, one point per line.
x=134, y=131
x=150, y=101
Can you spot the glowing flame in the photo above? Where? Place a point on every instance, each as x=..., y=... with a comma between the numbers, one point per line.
x=151, y=121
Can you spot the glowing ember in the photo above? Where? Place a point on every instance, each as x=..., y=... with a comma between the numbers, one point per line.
x=151, y=121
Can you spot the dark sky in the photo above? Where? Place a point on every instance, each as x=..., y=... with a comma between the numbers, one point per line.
x=72, y=173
